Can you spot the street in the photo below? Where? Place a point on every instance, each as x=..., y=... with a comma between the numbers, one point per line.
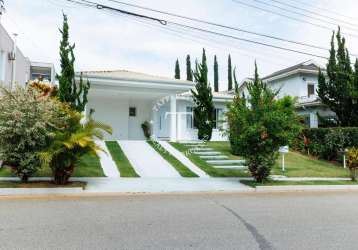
x=182, y=221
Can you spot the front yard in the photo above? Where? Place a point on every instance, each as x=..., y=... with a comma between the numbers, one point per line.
x=88, y=166
x=296, y=164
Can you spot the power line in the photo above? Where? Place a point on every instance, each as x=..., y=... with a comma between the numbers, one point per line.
x=314, y=12
x=302, y=14
x=323, y=9
x=290, y=17
x=220, y=25
x=209, y=31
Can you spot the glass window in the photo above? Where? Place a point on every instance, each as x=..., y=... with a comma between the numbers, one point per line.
x=310, y=89
x=132, y=111
x=189, y=117
x=218, y=118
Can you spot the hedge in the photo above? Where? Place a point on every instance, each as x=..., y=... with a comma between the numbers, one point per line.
x=326, y=142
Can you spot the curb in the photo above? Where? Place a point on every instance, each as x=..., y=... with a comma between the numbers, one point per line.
x=302, y=188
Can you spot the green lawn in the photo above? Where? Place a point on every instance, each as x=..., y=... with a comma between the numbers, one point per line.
x=124, y=166
x=88, y=166
x=291, y=183
x=214, y=172
x=296, y=164
x=180, y=167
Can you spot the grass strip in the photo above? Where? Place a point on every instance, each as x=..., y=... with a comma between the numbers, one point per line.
x=296, y=183
x=124, y=166
x=180, y=167
x=206, y=167
x=40, y=184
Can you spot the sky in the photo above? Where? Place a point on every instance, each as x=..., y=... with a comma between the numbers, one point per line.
x=110, y=41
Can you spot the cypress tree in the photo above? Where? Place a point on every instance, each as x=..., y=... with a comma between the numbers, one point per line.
x=189, y=72
x=236, y=82
x=216, y=75
x=336, y=90
x=203, y=100
x=177, y=70
x=229, y=74
x=69, y=91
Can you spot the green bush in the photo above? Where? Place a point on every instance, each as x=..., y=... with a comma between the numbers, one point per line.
x=260, y=125
x=326, y=143
x=352, y=160
x=27, y=123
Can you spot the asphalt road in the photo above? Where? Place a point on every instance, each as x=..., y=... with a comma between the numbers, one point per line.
x=205, y=221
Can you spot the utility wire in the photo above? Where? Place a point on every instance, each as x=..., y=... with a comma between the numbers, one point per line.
x=220, y=25
x=101, y=6
x=290, y=17
x=314, y=12
x=302, y=14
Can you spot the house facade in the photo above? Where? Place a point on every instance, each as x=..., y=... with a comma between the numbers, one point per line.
x=125, y=100
x=300, y=81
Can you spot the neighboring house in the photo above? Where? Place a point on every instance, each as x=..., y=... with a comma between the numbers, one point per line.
x=14, y=66
x=125, y=100
x=299, y=81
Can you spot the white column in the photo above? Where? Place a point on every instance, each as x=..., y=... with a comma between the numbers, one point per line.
x=173, y=118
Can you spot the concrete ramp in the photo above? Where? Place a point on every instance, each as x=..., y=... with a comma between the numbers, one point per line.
x=146, y=161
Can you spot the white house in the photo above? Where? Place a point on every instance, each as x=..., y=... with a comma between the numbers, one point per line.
x=125, y=100
x=301, y=81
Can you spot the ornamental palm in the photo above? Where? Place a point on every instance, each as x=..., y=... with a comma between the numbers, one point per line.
x=71, y=142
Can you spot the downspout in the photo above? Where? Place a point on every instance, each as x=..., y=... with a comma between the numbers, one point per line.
x=13, y=58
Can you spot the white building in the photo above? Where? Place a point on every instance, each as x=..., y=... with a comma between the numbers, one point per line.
x=299, y=81
x=125, y=100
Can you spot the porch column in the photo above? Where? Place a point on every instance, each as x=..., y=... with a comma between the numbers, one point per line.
x=173, y=118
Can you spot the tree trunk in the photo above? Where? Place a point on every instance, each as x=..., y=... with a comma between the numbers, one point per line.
x=62, y=176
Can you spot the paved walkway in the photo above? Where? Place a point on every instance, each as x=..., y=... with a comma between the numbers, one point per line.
x=146, y=161
x=183, y=159
x=108, y=165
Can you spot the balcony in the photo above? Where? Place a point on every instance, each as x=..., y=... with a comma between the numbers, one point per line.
x=308, y=99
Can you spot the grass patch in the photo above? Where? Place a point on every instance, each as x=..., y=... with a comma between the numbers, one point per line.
x=292, y=183
x=180, y=167
x=40, y=184
x=124, y=166
x=296, y=164
x=299, y=165
x=207, y=168
x=88, y=166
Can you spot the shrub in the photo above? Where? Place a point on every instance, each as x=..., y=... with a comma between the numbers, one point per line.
x=27, y=120
x=352, y=160
x=326, y=143
x=259, y=125
x=146, y=129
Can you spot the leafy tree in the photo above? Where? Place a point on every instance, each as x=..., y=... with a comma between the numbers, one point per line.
x=216, y=75
x=236, y=82
x=203, y=100
x=177, y=70
x=259, y=125
x=69, y=91
x=229, y=73
x=337, y=89
x=27, y=125
x=189, y=71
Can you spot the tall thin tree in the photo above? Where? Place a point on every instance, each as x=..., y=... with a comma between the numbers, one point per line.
x=189, y=71
x=229, y=72
x=70, y=91
x=177, y=69
x=216, y=75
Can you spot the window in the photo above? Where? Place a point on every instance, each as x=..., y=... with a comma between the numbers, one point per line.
x=132, y=111
x=2, y=66
x=189, y=117
x=218, y=118
x=310, y=89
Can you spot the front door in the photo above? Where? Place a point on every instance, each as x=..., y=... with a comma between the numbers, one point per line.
x=134, y=124
x=163, y=123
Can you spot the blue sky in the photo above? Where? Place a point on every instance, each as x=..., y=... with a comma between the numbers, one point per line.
x=106, y=41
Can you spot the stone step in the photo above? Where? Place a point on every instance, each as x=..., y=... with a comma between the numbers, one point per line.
x=191, y=142
x=226, y=162
x=214, y=157
x=207, y=153
x=195, y=145
x=201, y=149
x=231, y=167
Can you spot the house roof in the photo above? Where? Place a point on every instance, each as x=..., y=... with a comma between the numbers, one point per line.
x=307, y=66
x=130, y=76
